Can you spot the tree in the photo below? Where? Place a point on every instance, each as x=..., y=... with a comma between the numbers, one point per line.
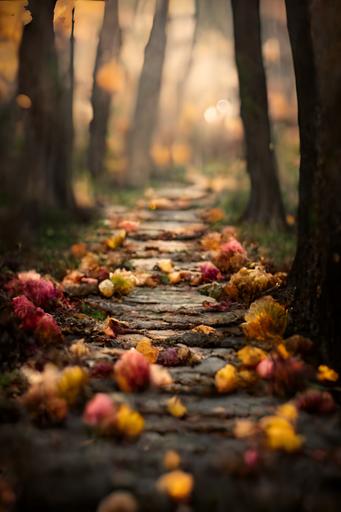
x=147, y=102
x=183, y=79
x=107, y=53
x=265, y=203
x=315, y=36
x=43, y=166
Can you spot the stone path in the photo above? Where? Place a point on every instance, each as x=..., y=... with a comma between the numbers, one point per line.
x=63, y=469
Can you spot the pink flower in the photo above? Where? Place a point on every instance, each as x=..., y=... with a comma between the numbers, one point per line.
x=98, y=408
x=265, y=368
x=27, y=312
x=47, y=330
x=209, y=272
x=40, y=291
x=132, y=371
x=233, y=247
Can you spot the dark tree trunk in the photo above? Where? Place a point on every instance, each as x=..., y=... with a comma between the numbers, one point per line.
x=108, y=49
x=64, y=163
x=44, y=160
x=315, y=35
x=265, y=204
x=147, y=102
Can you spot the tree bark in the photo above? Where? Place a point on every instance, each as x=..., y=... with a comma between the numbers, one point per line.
x=265, y=204
x=44, y=163
x=64, y=164
x=182, y=82
x=107, y=50
x=315, y=35
x=148, y=97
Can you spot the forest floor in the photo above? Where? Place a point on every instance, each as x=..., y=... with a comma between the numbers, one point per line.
x=262, y=434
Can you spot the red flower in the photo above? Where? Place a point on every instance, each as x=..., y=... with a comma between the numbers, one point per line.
x=210, y=272
x=27, y=312
x=47, y=330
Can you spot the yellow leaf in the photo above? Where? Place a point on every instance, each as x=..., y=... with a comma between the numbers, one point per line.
x=146, y=348
x=244, y=428
x=129, y=423
x=214, y=215
x=211, y=241
x=324, y=373
x=174, y=277
x=79, y=349
x=266, y=320
x=106, y=288
x=171, y=460
x=176, y=408
x=71, y=382
x=124, y=282
x=204, y=329
x=165, y=266
x=247, y=377
x=177, y=484
x=251, y=356
x=280, y=434
x=116, y=240
x=287, y=411
x=226, y=379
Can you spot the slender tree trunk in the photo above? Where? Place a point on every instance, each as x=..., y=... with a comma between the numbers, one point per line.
x=315, y=35
x=147, y=102
x=64, y=163
x=182, y=82
x=265, y=204
x=108, y=49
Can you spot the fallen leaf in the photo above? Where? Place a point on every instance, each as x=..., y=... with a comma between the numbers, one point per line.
x=177, y=484
x=176, y=408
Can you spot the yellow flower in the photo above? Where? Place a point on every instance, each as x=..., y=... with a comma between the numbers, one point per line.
x=324, y=373
x=226, y=379
x=129, y=423
x=176, y=408
x=71, y=382
x=251, y=356
x=280, y=434
x=177, y=484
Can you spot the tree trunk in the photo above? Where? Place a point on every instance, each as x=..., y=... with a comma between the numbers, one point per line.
x=108, y=49
x=147, y=102
x=265, y=204
x=315, y=35
x=182, y=82
x=64, y=163
x=44, y=161
x=37, y=78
